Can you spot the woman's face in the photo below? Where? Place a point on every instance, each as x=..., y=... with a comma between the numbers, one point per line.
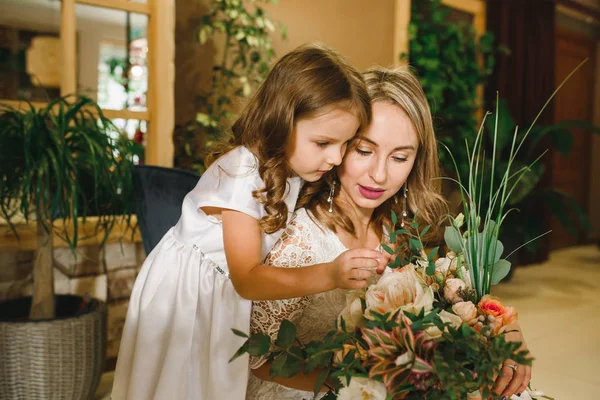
x=381, y=158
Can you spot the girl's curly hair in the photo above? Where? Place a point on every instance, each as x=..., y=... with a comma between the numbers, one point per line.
x=300, y=85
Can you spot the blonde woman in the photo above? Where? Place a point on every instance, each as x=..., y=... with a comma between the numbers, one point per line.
x=390, y=165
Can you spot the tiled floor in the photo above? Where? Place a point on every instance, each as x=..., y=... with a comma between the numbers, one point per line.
x=559, y=311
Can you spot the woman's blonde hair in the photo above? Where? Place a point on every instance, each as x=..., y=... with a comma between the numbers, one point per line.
x=397, y=86
x=301, y=84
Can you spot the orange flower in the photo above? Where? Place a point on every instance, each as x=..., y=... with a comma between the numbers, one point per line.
x=498, y=315
x=339, y=355
x=510, y=316
x=491, y=305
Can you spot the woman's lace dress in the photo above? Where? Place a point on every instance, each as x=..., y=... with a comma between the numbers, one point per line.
x=303, y=243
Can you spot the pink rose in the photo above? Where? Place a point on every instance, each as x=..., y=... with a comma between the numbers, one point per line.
x=451, y=290
x=467, y=311
x=510, y=315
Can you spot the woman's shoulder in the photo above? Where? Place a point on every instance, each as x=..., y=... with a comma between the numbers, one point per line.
x=306, y=219
x=302, y=217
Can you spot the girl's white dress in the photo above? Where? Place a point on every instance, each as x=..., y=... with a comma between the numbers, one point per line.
x=304, y=242
x=177, y=338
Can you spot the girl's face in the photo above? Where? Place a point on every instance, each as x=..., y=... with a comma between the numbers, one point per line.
x=381, y=159
x=318, y=143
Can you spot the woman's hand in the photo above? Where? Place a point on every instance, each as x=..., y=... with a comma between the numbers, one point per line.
x=515, y=377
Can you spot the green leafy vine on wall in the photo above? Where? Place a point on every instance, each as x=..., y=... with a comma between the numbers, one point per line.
x=451, y=62
x=244, y=30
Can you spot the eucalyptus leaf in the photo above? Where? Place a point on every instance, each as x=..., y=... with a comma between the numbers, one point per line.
x=493, y=256
x=387, y=248
x=415, y=245
x=433, y=253
x=453, y=239
x=258, y=345
x=320, y=382
x=293, y=364
x=239, y=333
x=286, y=334
x=501, y=269
x=277, y=365
x=240, y=352
x=430, y=270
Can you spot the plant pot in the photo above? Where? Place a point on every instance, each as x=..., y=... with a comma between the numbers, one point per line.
x=62, y=358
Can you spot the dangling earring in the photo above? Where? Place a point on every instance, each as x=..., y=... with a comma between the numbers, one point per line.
x=404, y=207
x=330, y=198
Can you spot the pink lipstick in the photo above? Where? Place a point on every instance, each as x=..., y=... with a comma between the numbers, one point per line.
x=370, y=192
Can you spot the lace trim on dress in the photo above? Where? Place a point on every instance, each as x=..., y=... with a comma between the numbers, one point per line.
x=293, y=250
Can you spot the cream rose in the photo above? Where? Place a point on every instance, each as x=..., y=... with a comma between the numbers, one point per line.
x=353, y=312
x=451, y=289
x=363, y=389
x=433, y=332
x=449, y=262
x=399, y=289
x=467, y=311
x=466, y=276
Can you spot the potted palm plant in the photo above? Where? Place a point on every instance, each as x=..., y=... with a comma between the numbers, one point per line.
x=58, y=165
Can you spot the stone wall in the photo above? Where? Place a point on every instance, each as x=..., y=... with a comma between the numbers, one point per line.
x=106, y=274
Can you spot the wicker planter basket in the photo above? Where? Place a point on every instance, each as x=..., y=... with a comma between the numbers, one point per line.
x=60, y=359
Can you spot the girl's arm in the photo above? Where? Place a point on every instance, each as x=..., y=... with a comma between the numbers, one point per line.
x=254, y=281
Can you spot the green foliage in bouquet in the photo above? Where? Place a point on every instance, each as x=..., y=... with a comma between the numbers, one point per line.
x=393, y=349
x=419, y=350
x=527, y=193
x=244, y=29
x=485, y=199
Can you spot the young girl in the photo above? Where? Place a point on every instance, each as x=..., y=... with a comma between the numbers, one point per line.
x=192, y=288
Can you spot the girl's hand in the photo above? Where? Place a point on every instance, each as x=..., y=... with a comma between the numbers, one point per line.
x=384, y=260
x=353, y=268
x=515, y=377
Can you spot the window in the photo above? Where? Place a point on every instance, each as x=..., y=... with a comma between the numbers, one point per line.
x=57, y=47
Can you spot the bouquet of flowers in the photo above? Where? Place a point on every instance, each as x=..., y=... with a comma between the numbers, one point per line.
x=419, y=332
x=428, y=328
